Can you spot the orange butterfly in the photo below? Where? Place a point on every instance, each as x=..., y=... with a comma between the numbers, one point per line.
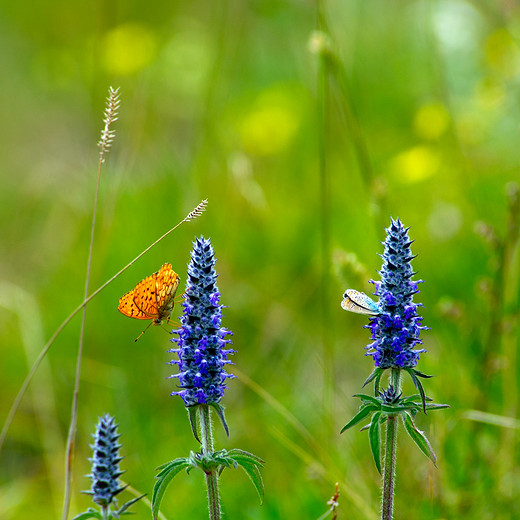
x=152, y=298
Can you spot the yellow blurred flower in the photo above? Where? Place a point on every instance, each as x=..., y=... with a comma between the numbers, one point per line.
x=502, y=53
x=128, y=48
x=431, y=121
x=271, y=124
x=415, y=164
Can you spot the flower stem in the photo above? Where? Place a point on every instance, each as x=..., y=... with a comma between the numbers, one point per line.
x=206, y=436
x=387, y=508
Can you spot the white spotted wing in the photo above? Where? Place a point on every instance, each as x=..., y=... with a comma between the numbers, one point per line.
x=355, y=301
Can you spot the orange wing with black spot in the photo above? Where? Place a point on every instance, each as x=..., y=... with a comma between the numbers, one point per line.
x=153, y=297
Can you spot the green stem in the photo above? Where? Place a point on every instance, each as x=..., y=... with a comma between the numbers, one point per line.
x=387, y=508
x=206, y=437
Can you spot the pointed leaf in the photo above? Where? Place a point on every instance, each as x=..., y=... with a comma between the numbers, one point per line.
x=377, y=381
x=418, y=385
x=374, y=437
x=392, y=409
x=421, y=374
x=418, y=437
x=371, y=377
x=90, y=513
x=219, y=410
x=250, y=463
x=192, y=414
x=434, y=406
x=364, y=412
x=165, y=468
x=414, y=397
x=254, y=474
x=370, y=398
x=163, y=480
x=237, y=453
x=128, y=504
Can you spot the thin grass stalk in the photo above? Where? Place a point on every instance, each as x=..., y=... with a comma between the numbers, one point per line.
x=69, y=457
x=193, y=214
x=206, y=436
x=339, y=83
x=322, y=112
x=107, y=136
x=510, y=337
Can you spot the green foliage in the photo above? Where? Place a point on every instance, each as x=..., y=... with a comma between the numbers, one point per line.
x=108, y=514
x=251, y=464
x=418, y=436
x=90, y=513
x=374, y=438
x=405, y=407
x=209, y=463
x=164, y=477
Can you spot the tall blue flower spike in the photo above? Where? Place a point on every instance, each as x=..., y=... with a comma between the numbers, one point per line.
x=395, y=330
x=202, y=340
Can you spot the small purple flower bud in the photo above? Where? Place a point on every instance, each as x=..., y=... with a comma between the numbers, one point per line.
x=105, y=462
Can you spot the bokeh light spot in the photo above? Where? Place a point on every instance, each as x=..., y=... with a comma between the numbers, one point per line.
x=431, y=121
x=271, y=124
x=502, y=54
x=445, y=221
x=415, y=164
x=128, y=48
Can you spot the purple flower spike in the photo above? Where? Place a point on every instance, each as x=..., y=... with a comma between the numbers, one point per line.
x=201, y=339
x=395, y=331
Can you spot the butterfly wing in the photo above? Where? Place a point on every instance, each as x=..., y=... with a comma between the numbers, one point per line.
x=153, y=297
x=140, y=303
x=166, y=284
x=359, y=302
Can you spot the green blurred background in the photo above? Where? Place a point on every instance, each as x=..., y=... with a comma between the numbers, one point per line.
x=305, y=144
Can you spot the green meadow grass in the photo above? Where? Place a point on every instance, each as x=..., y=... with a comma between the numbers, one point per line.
x=303, y=158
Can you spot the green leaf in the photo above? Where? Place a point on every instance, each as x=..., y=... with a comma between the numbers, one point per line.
x=434, y=406
x=165, y=468
x=163, y=479
x=128, y=504
x=236, y=453
x=370, y=398
x=418, y=385
x=374, y=437
x=377, y=381
x=364, y=412
x=90, y=513
x=414, y=397
x=372, y=376
x=376, y=377
x=192, y=414
x=418, y=437
x=219, y=410
x=250, y=464
x=421, y=374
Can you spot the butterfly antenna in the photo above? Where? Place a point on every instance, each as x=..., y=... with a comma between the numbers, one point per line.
x=148, y=326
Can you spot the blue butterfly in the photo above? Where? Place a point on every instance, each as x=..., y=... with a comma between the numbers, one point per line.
x=355, y=301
